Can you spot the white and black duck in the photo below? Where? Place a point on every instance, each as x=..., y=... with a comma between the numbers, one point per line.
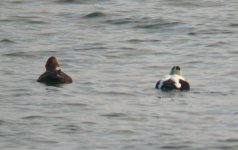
x=173, y=81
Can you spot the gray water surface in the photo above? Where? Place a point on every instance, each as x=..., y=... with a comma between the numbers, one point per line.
x=116, y=51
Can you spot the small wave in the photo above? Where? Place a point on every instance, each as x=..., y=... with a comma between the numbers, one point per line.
x=210, y=32
x=31, y=117
x=144, y=23
x=88, y=82
x=174, y=147
x=17, y=54
x=230, y=140
x=78, y=1
x=42, y=140
x=120, y=21
x=19, y=2
x=234, y=52
x=233, y=25
x=212, y=93
x=2, y=122
x=36, y=22
x=6, y=20
x=114, y=115
x=27, y=19
x=118, y=93
x=125, y=132
x=193, y=4
x=75, y=104
x=71, y=1
x=218, y=93
x=195, y=62
x=192, y=33
x=215, y=44
x=95, y=15
x=29, y=54
x=66, y=1
x=157, y=25
x=89, y=123
x=69, y=129
x=141, y=41
x=7, y=41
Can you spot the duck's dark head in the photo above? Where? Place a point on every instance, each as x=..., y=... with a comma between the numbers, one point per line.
x=176, y=71
x=51, y=64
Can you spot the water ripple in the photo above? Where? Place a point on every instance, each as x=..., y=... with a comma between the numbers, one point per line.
x=1, y=122
x=79, y=1
x=7, y=41
x=120, y=21
x=125, y=132
x=95, y=15
x=230, y=140
x=27, y=19
x=69, y=129
x=32, y=117
x=157, y=25
x=211, y=32
x=29, y=54
x=175, y=146
x=114, y=115
x=75, y=104
x=233, y=24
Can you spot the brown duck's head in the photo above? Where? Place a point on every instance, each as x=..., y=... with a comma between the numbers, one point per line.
x=51, y=64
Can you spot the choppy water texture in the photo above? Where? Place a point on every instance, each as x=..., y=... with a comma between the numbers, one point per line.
x=115, y=51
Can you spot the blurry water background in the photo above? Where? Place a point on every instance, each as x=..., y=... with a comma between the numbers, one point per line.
x=115, y=51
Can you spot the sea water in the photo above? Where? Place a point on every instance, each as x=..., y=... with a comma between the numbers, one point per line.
x=115, y=51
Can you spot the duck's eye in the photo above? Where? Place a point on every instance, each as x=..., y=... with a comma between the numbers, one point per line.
x=177, y=68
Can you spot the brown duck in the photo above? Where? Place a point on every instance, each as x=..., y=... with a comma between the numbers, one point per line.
x=54, y=75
